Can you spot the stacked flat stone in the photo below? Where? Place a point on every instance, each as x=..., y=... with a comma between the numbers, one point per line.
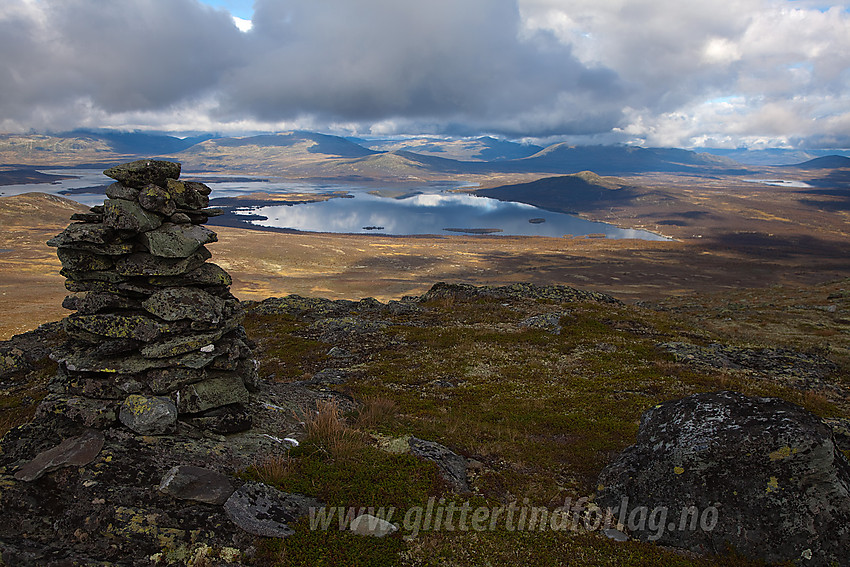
x=157, y=335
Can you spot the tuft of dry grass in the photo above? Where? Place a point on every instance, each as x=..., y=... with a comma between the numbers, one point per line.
x=274, y=470
x=374, y=411
x=327, y=430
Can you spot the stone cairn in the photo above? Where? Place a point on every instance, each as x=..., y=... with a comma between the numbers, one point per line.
x=157, y=335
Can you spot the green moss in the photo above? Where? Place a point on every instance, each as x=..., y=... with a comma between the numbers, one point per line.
x=368, y=478
x=283, y=355
x=331, y=548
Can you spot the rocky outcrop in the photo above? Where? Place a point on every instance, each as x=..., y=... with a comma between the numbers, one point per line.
x=714, y=471
x=156, y=334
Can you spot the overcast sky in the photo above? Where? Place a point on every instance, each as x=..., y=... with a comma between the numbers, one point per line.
x=720, y=73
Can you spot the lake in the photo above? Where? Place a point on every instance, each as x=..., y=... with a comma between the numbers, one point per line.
x=427, y=209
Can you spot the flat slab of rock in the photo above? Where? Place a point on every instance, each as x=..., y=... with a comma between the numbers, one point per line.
x=144, y=264
x=264, y=511
x=764, y=476
x=141, y=172
x=211, y=393
x=195, y=483
x=452, y=466
x=173, y=304
x=76, y=451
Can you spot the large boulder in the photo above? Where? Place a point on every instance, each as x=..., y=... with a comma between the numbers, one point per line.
x=722, y=470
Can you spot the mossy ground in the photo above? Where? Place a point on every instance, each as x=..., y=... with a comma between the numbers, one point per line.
x=542, y=413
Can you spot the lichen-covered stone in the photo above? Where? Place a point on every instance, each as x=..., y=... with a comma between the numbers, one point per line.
x=195, y=483
x=452, y=466
x=208, y=274
x=141, y=172
x=264, y=511
x=89, y=233
x=155, y=198
x=225, y=420
x=93, y=275
x=177, y=240
x=122, y=214
x=211, y=393
x=79, y=260
x=119, y=191
x=97, y=302
x=198, y=187
x=144, y=264
x=173, y=304
x=148, y=415
x=180, y=344
x=185, y=196
x=164, y=380
x=139, y=327
x=764, y=474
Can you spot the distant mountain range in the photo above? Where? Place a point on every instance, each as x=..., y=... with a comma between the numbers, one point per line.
x=302, y=154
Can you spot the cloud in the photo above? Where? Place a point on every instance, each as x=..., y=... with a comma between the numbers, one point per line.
x=659, y=72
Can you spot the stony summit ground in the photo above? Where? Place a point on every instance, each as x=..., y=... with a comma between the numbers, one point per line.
x=538, y=387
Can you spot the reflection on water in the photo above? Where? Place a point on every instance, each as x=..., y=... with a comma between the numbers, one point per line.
x=780, y=183
x=407, y=211
x=430, y=213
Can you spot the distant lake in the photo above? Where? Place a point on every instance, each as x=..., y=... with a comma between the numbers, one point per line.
x=431, y=213
x=428, y=209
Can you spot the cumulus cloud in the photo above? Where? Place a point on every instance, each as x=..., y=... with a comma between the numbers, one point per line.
x=658, y=72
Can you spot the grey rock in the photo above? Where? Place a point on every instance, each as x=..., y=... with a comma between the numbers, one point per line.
x=144, y=264
x=97, y=302
x=97, y=414
x=140, y=173
x=173, y=304
x=211, y=393
x=164, y=380
x=185, y=196
x=122, y=214
x=80, y=260
x=80, y=276
x=225, y=420
x=198, y=187
x=372, y=526
x=87, y=217
x=778, y=362
x=264, y=511
x=549, y=321
x=148, y=415
x=329, y=376
x=765, y=476
x=180, y=344
x=83, y=233
x=180, y=218
x=156, y=199
x=195, y=483
x=137, y=327
x=77, y=452
x=452, y=466
x=177, y=240
x=208, y=274
x=119, y=191
x=557, y=293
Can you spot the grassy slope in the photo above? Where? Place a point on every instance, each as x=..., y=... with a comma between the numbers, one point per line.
x=542, y=412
